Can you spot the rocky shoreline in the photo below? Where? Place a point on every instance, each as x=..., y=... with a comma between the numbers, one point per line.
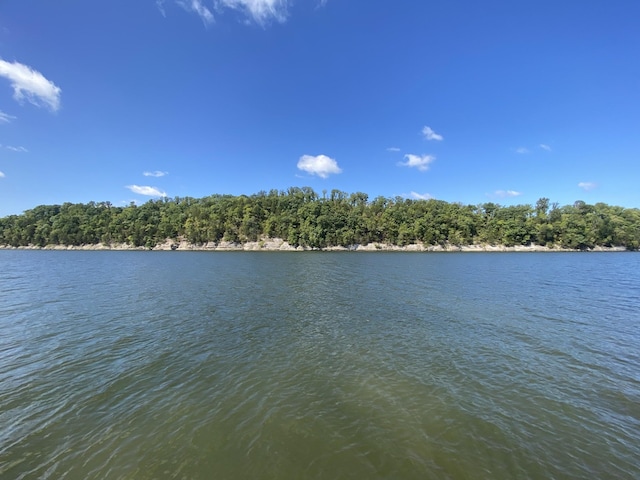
x=277, y=244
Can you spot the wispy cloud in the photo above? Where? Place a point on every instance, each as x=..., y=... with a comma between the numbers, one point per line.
x=320, y=165
x=156, y=173
x=421, y=196
x=2, y=175
x=160, y=5
x=421, y=162
x=522, y=150
x=260, y=11
x=506, y=193
x=16, y=149
x=197, y=7
x=544, y=146
x=31, y=85
x=146, y=190
x=429, y=134
x=587, y=186
x=5, y=117
x=393, y=149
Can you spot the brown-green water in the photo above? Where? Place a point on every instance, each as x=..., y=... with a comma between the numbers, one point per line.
x=152, y=365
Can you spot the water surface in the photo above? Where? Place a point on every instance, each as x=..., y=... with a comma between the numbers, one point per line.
x=134, y=365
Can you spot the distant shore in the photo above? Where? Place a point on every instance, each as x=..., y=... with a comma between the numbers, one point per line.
x=277, y=244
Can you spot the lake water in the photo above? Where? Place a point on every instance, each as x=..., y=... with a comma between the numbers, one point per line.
x=269, y=365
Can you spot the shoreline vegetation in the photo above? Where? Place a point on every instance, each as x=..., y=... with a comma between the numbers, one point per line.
x=300, y=219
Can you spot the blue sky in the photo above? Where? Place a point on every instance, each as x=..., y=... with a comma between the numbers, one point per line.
x=462, y=101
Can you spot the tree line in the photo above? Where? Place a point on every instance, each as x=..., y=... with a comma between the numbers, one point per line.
x=302, y=217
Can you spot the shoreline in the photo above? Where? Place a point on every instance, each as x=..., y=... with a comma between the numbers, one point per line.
x=277, y=244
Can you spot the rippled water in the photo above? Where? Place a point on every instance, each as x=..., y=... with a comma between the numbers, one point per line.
x=153, y=365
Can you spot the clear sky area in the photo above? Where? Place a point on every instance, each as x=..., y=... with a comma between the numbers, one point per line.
x=464, y=101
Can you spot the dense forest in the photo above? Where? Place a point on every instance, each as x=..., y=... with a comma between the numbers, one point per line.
x=302, y=217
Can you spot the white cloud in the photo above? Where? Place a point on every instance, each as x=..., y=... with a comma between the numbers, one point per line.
x=5, y=117
x=421, y=162
x=522, y=150
x=393, y=149
x=545, y=147
x=261, y=11
x=145, y=190
x=157, y=173
x=16, y=149
x=31, y=84
x=429, y=134
x=197, y=7
x=2, y=175
x=587, y=186
x=320, y=165
x=507, y=193
x=421, y=196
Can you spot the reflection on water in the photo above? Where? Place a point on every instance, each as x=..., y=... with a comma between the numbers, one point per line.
x=319, y=365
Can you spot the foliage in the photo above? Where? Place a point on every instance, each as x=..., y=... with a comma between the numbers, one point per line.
x=302, y=217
